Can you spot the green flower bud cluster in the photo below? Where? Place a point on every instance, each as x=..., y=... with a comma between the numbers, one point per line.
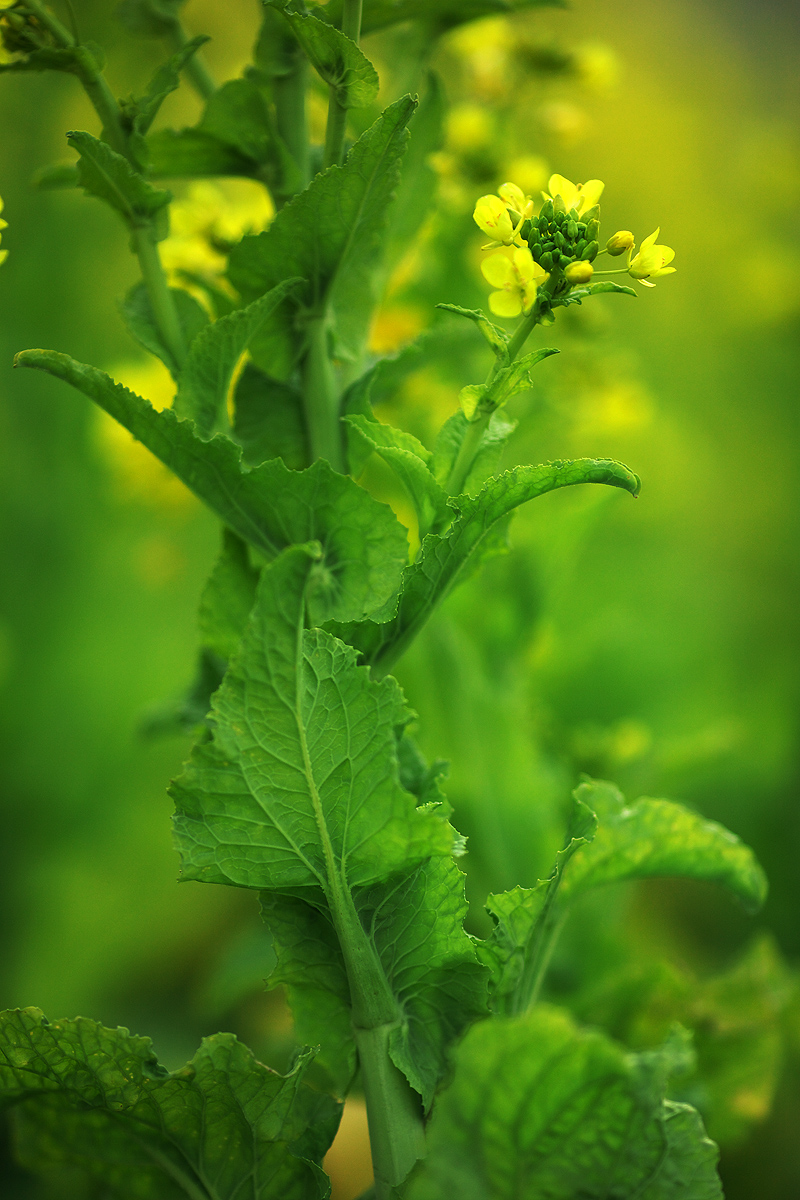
x=558, y=237
x=22, y=33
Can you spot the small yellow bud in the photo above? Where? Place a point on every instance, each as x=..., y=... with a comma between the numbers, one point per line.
x=578, y=272
x=619, y=242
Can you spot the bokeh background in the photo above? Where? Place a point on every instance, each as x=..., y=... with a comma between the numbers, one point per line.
x=653, y=643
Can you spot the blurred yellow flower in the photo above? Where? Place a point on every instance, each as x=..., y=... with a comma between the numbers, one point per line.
x=651, y=261
x=516, y=279
x=469, y=126
x=577, y=196
x=530, y=172
x=3, y=225
x=209, y=217
x=597, y=66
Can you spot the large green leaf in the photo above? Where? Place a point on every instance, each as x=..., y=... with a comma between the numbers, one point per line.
x=542, y=1110
x=95, y=1106
x=329, y=235
x=416, y=925
x=298, y=787
x=214, y=355
x=271, y=507
x=441, y=14
x=110, y=177
x=609, y=842
x=336, y=59
x=487, y=458
x=410, y=461
x=445, y=557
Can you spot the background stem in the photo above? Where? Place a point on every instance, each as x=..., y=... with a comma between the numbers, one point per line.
x=337, y=113
x=161, y=301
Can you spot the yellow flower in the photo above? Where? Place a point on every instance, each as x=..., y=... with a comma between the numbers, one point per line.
x=491, y=216
x=515, y=198
x=577, y=196
x=517, y=279
x=651, y=261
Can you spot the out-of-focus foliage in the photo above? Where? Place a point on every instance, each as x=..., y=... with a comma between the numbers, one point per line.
x=653, y=643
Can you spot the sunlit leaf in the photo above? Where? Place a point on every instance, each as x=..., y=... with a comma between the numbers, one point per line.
x=110, y=177
x=409, y=460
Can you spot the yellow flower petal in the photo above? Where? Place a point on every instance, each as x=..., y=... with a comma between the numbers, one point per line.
x=525, y=266
x=505, y=304
x=650, y=241
x=513, y=196
x=491, y=215
x=590, y=193
x=498, y=270
x=560, y=186
x=528, y=296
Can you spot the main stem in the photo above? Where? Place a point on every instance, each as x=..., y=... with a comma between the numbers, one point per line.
x=162, y=304
x=337, y=112
x=321, y=397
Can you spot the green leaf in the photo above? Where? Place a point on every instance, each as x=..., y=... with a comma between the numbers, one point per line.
x=329, y=235
x=228, y=597
x=138, y=316
x=206, y=378
x=658, y=837
x=440, y=14
x=516, y=377
x=268, y=420
x=540, y=1109
x=525, y=919
x=470, y=398
x=166, y=79
x=96, y=1106
x=298, y=787
x=594, y=289
x=364, y=546
x=110, y=177
x=409, y=460
x=497, y=338
x=57, y=175
x=335, y=58
x=609, y=841
x=416, y=925
x=447, y=557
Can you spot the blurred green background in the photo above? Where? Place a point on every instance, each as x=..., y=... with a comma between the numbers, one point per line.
x=653, y=643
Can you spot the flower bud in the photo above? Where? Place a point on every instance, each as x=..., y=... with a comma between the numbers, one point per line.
x=578, y=273
x=620, y=242
x=590, y=252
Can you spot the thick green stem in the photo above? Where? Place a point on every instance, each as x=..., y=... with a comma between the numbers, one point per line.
x=321, y=397
x=394, y=1112
x=337, y=113
x=289, y=90
x=195, y=70
x=161, y=301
